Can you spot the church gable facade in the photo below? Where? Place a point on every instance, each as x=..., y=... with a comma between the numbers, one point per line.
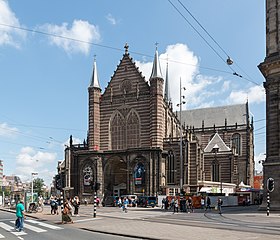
x=133, y=143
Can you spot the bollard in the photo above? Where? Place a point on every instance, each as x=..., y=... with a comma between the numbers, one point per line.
x=268, y=204
x=94, y=205
x=61, y=205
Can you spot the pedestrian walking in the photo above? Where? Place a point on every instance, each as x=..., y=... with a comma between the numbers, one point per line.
x=76, y=204
x=190, y=205
x=166, y=204
x=66, y=213
x=208, y=203
x=176, y=207
x=54, y=205
x=125, y=204
x=163, y=203
x=20, y=216
x=202, y=203
x=220, y=203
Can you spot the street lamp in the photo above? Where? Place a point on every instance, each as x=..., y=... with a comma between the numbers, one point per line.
x=216, y=149
x=181, y=147
x=32, y=175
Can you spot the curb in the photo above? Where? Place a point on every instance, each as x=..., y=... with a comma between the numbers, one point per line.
x=120, y=234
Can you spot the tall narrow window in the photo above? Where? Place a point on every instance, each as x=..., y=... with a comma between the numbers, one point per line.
x=170, y=168
x=215, y=171
x=117, y=132
x=133, y=136
x=236, y=143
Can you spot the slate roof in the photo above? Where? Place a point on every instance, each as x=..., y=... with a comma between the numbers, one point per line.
x=215, y=115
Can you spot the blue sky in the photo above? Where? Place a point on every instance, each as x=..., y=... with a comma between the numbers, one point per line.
x=44, y=79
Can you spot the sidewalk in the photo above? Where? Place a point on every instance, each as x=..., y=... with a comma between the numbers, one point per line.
x=133, y=224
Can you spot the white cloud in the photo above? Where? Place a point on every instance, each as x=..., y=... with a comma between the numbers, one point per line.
x=201, y=90
x=80, y=30
x=182, y=63
x=9, y=35
x=111, y=19
x=226, y=86
x=7, y=131
x=255, y=94
x=30, y=160
x=259, y=161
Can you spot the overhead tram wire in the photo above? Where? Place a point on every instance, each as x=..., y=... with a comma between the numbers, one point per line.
x=228, y=58
x=106, y=46
x=222, y=49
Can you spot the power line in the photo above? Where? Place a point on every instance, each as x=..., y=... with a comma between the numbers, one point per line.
x=108, y=47
x=228, y=61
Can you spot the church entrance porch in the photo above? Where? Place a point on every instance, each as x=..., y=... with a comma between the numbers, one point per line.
x=115, y=178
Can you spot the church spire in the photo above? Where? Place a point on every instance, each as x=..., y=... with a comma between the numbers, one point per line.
x=94, y=80
x=156, y=72
x=166, y=87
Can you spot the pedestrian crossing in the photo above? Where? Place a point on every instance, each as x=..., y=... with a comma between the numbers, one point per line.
x=29, y=226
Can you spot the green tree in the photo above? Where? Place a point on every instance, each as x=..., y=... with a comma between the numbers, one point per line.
x=38, y=184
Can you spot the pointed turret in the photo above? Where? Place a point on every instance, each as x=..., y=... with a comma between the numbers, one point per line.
x=94, y=80
x=94, y=91
x=166, y=88
x=156, y=90
x=156, y=72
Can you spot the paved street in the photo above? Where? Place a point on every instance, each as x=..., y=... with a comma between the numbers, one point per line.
x=148, y=223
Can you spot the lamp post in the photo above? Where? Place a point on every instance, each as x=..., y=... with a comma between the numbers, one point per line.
x=32, y=175
x=216, y=149
x=181, y=147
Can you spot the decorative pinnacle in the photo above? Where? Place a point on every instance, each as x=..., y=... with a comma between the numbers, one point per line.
x=126, y=48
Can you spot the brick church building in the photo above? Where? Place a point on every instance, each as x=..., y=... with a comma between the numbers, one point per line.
x=136, y=143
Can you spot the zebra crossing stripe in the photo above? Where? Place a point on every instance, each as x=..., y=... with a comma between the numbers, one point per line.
x=1, y=236
x=44, y=224
x=11, y=229
x=35, y=229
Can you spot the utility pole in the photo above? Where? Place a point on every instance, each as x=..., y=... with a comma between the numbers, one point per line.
x=181, y=143
x=32, y=174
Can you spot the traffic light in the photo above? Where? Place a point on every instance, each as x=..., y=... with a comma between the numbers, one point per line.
x=270, y=184
x=58, y=182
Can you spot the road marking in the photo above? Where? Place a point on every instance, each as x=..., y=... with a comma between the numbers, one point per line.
x=44, y=224
x=10, y=229
x=1, y=236
x=35, y=229
x=88, y=219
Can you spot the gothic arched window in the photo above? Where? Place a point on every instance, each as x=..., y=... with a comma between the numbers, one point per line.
x=117, y=132
x=170, y=168
x=215, y=171
x=133, y=129
x=236, y=143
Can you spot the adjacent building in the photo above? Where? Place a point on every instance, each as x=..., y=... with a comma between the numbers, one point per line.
x=1, y=172
x=270, y=69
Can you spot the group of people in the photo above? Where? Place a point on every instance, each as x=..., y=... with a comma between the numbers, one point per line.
x=186, y=205
x=70, y=209
x=123, y=204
